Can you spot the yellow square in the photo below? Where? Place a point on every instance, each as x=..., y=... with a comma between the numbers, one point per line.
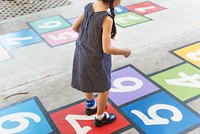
x=190, y=53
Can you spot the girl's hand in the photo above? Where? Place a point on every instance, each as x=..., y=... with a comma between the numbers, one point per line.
x=127, y=53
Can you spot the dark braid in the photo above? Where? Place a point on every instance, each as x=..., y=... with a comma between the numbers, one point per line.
x=112, y=10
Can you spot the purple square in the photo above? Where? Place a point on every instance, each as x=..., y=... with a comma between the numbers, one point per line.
x=128, y=84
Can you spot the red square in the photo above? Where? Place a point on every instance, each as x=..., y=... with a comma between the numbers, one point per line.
x=72, y=120
x=145, y=8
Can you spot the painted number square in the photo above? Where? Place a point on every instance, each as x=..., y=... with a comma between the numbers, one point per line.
x=60, y=37
x=145, y=8
x=183, y=81
x=20, y=39
x=128, y=84
x=161, y=114
x=25, y=118
x=73, y=120
x=190, y=53
x=129, y=18
x=3, y=54
x=49, y=24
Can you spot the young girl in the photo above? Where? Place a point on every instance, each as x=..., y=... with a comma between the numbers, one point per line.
x=92, y=57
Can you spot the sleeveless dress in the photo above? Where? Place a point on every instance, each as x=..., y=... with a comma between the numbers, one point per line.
x=91, y=66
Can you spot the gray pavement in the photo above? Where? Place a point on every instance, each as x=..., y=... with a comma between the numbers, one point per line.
x=45, y=72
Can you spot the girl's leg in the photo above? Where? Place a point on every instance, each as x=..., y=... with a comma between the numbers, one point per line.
x=102, y=101
x=89, y=96
x=91, y=106
x=103, y=118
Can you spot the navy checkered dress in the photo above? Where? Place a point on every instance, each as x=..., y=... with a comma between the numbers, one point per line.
x=91, y=66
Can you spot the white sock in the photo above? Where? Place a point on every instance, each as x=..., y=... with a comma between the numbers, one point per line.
x=100, y=117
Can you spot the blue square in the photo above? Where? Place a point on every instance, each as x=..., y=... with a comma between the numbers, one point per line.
x=25, y=118
x=19, y=39
x=120, y=9
x=161, y=114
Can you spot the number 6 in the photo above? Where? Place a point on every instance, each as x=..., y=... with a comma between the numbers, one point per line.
x=18, y=117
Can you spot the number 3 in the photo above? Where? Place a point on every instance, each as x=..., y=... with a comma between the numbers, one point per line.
x=156, y=120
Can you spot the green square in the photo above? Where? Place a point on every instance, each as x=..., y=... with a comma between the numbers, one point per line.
x=182, y=81
x=129, y=19
x=49, y=24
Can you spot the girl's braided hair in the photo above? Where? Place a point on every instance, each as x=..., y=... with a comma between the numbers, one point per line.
x=111, y=4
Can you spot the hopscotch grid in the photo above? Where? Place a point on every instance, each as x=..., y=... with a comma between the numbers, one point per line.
x=183, y=103
x=146, y=76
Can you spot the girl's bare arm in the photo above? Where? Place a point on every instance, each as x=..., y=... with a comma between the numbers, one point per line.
x=106, y=40
x=77, y=23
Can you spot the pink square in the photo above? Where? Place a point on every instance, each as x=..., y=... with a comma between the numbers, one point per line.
x=72, y=120
x=145, y=8
x=59, y=37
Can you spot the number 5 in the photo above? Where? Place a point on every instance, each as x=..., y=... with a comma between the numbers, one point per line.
x=156, y=120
